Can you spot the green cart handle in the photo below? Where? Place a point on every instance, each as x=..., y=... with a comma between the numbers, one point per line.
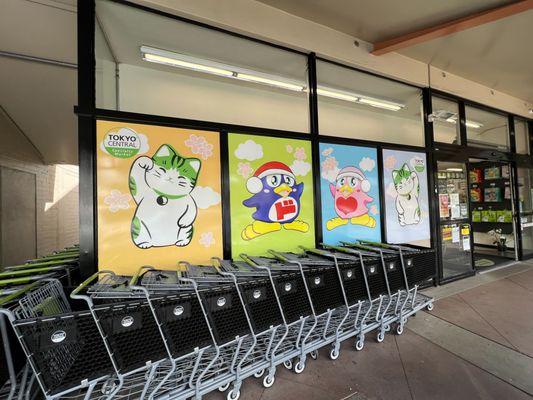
x=248, y=260
x=42, y=264
x=86, y=282
x=140, y=271
x=22, y=272
x=7, y=299
x=278, y=256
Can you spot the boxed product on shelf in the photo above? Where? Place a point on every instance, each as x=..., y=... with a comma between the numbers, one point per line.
x=475, y=195
x=507, y=194
x=493, y=194
x=504, y=216
x=505, y=171
x=476, y=216
x=475, y=176
x=492, y=173
x=488, y=216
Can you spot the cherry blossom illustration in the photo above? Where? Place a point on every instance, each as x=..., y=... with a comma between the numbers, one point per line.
x=330, y=168
x=389, y=162
x=207, y=239
x=327, y=152
x=199, y=146
x=299, y=153
x=116, y=200
x=374, y=210
x=289, y=148
x=244, y=169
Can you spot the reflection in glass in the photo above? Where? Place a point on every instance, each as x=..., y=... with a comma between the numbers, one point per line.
x=486, y=129
x=445, y=115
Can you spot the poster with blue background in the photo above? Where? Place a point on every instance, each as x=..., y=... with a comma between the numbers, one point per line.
x=349, y=190
x=406, y=197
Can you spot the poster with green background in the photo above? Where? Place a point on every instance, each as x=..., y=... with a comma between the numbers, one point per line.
x=271, y=194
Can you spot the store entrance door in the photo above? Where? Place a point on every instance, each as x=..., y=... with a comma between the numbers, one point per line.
x=492, y=212
x=525, y=212
x=455, y=239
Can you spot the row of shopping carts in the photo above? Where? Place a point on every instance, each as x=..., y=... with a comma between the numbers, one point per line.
x=17, y=379
x=182, y=334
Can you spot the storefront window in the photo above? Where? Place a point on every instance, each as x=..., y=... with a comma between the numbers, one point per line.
x=105, y=71
x=358, y=105
x=521, y=136
x=486, y=129
x=445, y=117
x=173, y=68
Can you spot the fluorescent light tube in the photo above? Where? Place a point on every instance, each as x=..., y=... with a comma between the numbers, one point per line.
x=186, y=64
x=381, y=104
x=269, y=81
x=470, y=124
x=336, y=95
x=454, y=169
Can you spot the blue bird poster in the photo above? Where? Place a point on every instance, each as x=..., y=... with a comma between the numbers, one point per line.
x=349, y=191
x=271, y=194
x=406, y=197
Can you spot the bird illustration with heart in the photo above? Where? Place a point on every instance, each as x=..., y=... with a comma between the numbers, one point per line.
x=350, y=196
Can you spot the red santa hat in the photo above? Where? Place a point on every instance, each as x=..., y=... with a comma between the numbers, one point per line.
x=254, y=184
x=353, y=171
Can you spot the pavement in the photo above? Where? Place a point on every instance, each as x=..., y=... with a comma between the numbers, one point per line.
x=477, y=343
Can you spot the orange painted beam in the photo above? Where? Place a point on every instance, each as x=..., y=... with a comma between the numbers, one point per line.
x=447, y=28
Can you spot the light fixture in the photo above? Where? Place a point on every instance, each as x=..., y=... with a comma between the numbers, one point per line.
x=454, y=169
x=269, y=81
x=335, y=94
x=181, y=61
x=387, y=105
x=170, y=58
x=468, y=123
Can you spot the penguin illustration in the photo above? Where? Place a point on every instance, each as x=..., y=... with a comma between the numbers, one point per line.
x=350, y=196
x=276, y=198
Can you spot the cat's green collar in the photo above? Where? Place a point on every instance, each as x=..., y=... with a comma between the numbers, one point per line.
x=170, y=196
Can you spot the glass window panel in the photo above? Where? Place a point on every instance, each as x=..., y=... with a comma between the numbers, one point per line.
x=521, y=136
x=105, y=70
x=173, y=68
x=445, y=116
x=486, y=129
x=362, y=106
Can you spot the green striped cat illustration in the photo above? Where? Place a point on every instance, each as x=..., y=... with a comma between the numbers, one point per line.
x=161, y=187
x=408, y=189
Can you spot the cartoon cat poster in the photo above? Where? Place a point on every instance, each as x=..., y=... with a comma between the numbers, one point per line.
x=349, y=193
x=406, y=197
x=159, y=196
x=271, y=194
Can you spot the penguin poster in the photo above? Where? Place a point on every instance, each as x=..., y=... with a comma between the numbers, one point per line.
x=271, y=194
x=349, y=189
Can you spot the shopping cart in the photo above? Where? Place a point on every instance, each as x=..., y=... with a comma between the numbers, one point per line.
x=63, y=347
x=129, y=331
x=264, y=312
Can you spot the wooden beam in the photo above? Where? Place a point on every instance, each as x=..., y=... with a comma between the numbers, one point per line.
x=447, y=28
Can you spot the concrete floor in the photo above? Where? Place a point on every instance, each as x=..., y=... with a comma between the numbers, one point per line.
x=476, y=344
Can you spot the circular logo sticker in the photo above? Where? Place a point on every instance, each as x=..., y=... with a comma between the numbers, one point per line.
x=122, y=143
x=127, y=321
x=221, y=301
x=178, y=311
x=58, y=336
x=418, y=164
x=256, y=294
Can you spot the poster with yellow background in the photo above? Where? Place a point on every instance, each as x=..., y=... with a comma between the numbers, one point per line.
x=159, y=196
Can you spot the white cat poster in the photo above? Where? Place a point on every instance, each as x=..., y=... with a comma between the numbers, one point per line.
x=159, y=196
x=406, y=197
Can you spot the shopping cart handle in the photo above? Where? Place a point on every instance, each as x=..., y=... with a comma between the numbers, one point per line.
x=279, y=256
x=86, y=282
x=7, y=299
x=248, y=260
x=140, y=271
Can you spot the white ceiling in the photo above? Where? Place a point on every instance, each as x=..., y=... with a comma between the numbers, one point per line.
x=498, y=55
x=40, y=97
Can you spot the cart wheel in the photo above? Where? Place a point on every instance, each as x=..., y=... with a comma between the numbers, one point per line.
x=287, y=364
x=109, y=386
x=399, y=329
x=223, y=388
x=334, y=353
x=259, y=374
x=429, y=307
x=359, y=345
x=268, y=381
x=387, y=328
x=299, y=367
x=380, y=336
x=314, y=354
x=233, y=394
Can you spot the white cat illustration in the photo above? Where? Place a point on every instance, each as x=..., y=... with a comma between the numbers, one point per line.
x=408, y=189
x=161, y=187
